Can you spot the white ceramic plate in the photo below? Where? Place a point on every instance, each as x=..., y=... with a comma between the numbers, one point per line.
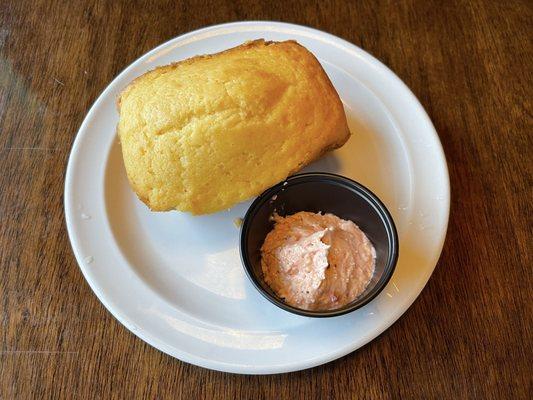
x=176, y=281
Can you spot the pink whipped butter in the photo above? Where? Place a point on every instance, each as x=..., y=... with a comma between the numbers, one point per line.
x=317, y=261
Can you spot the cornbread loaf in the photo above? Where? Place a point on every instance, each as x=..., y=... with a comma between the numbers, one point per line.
x=203, y=134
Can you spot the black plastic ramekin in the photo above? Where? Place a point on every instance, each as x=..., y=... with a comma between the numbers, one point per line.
x=326, y=193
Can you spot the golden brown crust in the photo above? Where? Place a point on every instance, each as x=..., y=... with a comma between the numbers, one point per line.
x=246, y=45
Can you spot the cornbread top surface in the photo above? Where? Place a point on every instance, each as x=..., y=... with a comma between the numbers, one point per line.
x=206, y=133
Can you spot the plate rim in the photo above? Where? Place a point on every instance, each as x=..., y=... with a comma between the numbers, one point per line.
x=220, y=365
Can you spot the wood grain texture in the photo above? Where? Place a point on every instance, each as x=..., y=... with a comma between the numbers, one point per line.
x=469, y=335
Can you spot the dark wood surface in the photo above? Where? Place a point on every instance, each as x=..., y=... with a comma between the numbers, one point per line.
x=469, y=334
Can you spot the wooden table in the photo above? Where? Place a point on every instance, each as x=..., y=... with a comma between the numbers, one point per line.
x=469, y=335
